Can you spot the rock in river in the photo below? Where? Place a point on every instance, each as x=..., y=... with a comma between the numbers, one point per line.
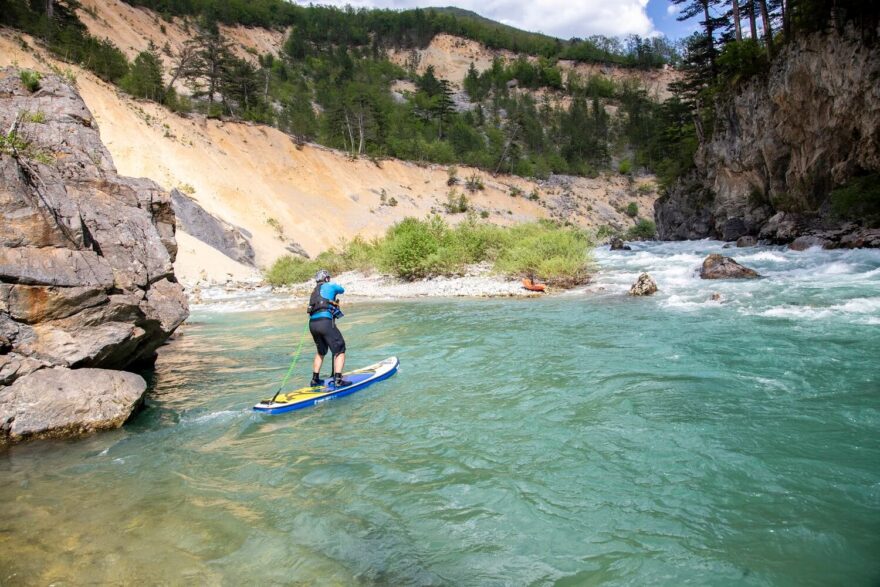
x=644, y=286
x=720, y=267
x=67, y=402
x=86, y=274
x=617, y=244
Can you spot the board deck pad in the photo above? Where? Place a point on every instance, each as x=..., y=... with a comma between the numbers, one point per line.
x=305, y=397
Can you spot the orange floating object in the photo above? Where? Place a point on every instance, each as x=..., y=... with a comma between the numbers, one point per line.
x=532, y=286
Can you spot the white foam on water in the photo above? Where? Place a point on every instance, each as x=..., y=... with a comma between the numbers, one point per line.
x=765, y=256
x=222, y=416
x=796, y=312
x=859, y=306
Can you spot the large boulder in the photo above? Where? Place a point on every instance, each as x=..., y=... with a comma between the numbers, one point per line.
x=216, y=232
x=86, y=274
x=617, y=244
x=720, y=267
x=802, y=243
x=63, y=402
x=644, y=286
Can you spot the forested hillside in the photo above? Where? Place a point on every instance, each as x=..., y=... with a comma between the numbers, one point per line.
x=332, y=84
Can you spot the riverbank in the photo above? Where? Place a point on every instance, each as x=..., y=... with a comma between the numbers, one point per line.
x=478, y=281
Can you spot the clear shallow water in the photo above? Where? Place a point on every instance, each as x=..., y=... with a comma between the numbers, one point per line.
x=577, y=440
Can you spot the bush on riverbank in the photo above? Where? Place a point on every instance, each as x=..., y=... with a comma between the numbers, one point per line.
x=416, y=249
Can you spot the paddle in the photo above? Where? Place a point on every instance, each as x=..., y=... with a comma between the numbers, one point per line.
x=292, y=363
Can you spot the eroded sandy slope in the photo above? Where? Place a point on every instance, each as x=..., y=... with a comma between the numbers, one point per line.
x=256, y=178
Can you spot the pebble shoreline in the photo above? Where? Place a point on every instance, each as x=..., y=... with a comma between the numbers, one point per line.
x=477, y=282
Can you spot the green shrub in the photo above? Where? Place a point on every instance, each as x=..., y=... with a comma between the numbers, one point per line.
x=645, y=229
x=555, y=254
x=30, y=79
x=740, y=60
x=452, y=176
x=474, y=183
x=411, y=247
x=625, y=167
x=858, y=199
x=38, y=117
x=632, y=210
x=456, y=203
x=415, y=249
x=290, y=269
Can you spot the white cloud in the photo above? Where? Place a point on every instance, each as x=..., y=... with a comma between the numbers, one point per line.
x=560, y=18
x=672, y=10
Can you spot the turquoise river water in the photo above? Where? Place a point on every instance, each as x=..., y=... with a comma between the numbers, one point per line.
x=588, y=438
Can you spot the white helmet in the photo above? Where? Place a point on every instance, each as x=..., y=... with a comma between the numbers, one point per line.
x=322, y=275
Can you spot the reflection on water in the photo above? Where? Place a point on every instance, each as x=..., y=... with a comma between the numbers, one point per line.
x=574, y=440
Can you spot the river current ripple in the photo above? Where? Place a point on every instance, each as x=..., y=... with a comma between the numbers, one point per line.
x=584, y=439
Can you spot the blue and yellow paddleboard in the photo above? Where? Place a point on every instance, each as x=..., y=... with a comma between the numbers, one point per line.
x=306, y=397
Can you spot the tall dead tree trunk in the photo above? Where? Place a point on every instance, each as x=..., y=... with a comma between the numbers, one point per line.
x=765, y=21
x=753, y=24
x=736, y=21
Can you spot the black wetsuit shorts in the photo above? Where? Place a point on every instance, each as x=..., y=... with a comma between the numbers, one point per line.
x=326, y=336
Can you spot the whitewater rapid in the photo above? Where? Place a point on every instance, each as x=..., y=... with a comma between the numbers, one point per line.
x=815, y=284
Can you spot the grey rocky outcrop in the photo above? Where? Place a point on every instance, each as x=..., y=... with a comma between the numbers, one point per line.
x=746, y=241
x=720, y=267
x=644, y=286
x=86, y=274
x=201, y=224
x=68, y=402
x=781, y=143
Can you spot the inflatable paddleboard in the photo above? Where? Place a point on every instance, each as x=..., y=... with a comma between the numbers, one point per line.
x=306, y=397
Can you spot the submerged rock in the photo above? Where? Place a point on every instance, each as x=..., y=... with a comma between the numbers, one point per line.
x=746, y=241
x=720, y=267
x=617, y=244
x=644, y=286
x=64, y=402
x=86, y=274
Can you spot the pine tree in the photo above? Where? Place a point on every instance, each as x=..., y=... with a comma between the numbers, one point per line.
x=205, y=71
x=144, y=78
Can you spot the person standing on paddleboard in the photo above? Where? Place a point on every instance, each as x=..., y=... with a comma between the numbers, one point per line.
x=323, y=311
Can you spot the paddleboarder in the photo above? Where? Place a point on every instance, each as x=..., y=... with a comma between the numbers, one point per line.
x=323, y=311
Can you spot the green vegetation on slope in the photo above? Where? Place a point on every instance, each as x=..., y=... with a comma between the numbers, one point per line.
x=332, y=85
x=349, y=27
x=66, y=37
x=415, y=249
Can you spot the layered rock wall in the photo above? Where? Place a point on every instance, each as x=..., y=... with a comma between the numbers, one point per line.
x=782, y=143
x=86, y=275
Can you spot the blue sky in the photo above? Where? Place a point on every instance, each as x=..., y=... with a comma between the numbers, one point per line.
x=663, y=15
x=560, y=18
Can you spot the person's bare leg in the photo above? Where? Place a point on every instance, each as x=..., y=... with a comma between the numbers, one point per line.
x=338, y=363
x=316, y=364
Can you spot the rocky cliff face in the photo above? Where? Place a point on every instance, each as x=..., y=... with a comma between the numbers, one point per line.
x=781, y=144
x=86, y=276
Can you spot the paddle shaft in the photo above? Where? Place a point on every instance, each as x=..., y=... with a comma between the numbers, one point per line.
x=293, y=362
